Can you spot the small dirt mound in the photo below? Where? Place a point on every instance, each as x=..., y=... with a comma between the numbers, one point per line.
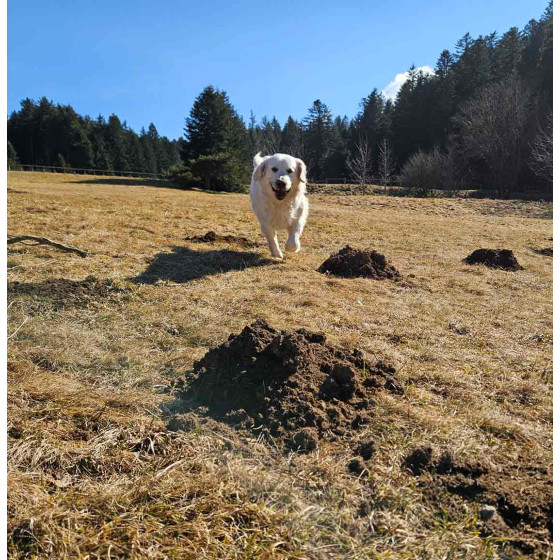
x=546, y=251
x=494, y=258
x=291, y=385
x=355, y=263
x=521, y=495
x=62, y=292
x=213, y=237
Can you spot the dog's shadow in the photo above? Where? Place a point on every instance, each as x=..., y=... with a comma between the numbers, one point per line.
x=184, y=265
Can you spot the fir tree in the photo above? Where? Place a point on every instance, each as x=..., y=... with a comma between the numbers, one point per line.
x=215, y=133
x=318, y=137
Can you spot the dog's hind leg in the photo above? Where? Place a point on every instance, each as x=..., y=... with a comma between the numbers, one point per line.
x=270, y=234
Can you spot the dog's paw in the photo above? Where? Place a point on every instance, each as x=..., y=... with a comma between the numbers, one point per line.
x=278, y=255
x=292, y=246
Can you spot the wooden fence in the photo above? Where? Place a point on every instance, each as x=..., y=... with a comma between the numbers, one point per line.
x=77, y=171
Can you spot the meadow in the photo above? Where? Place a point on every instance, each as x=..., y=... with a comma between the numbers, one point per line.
x=96, y=344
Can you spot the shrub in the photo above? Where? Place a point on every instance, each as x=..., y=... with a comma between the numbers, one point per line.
x=13, y=160
x=426, y=171
x=218, y=172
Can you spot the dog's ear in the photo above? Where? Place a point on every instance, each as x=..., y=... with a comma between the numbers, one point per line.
x=260, y=171
x=301, y=171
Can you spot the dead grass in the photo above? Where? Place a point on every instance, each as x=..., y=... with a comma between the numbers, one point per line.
x=93, y=472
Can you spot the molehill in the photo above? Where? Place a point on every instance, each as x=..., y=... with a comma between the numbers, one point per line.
x=494, y=258
x=354, y=263
x=290, y=385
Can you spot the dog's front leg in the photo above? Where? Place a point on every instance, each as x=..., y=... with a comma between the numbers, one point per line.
x=292, y=243
x=270, y=234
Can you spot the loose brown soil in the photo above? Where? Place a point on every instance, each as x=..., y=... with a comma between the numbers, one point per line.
x=494, y=258
x=353, y=263
x=61, y=292
x=521, y=494
x=213, y=237
x=546, y=251
x=291, y=385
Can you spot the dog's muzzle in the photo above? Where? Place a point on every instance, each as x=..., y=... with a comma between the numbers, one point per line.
x=280, y=190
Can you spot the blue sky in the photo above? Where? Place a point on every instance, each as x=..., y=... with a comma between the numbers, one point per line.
x=147, y=61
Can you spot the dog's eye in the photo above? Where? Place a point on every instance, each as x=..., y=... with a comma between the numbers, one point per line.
x=288, y=171
x=275, y=169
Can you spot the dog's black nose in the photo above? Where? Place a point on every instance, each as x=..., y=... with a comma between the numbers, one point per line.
x=280, y=184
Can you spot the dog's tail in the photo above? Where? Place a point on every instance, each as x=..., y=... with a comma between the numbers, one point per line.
x=257, y=160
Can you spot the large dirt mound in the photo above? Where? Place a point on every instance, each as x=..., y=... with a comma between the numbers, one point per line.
x=494, y=258
x=62, y=292
x=291, y=385
x=516, y=499
x=353, y=263
x=213, y=237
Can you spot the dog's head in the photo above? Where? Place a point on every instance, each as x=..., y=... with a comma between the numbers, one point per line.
x=281, y=174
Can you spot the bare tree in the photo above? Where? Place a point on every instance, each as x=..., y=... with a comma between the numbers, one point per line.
x=386, y=163
x=541, y=154
x=360, y=165
x=295, y=147
x=493, y=128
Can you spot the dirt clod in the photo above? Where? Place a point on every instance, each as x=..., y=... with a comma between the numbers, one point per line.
x=546, y=251
x=418, y=460
x=291, y=385
x=494, y=258
x=353, y=263
x=366, y=450
x=213, y=237
x=357, y=466
x=304, y=441
x=486, y=512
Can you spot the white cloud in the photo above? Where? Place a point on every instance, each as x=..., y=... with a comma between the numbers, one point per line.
x=392, y=88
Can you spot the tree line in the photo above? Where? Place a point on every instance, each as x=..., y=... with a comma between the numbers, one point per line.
x=482, y=119
x=42, y=133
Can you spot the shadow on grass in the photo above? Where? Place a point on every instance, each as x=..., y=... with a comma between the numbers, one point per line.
x=128, y=181
x=140, y=182
x=183, y=264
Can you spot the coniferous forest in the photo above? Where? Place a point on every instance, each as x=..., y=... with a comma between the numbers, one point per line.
x=483, y=119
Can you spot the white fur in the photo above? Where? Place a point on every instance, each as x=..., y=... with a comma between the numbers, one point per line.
x=275, y=215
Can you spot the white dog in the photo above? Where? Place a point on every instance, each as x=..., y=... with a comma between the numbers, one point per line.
x=278, y=199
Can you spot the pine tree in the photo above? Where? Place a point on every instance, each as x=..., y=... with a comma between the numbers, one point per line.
x=411, y=117
x=101, y=156
x=270, y=136
x=80, y=151
x=134, y=151
x=215, y=134
x=318, y=137
x=291, y=139
x=61, y=162
x=445, y=99
x=253, y=134
x=370, y=126
x=473, y=69
x=508, y=55
x=115, y=138
x=150, y=164
x=335, y=164
x=213, y=125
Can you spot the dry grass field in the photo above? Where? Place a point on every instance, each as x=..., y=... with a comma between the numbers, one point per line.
x=93, y=472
